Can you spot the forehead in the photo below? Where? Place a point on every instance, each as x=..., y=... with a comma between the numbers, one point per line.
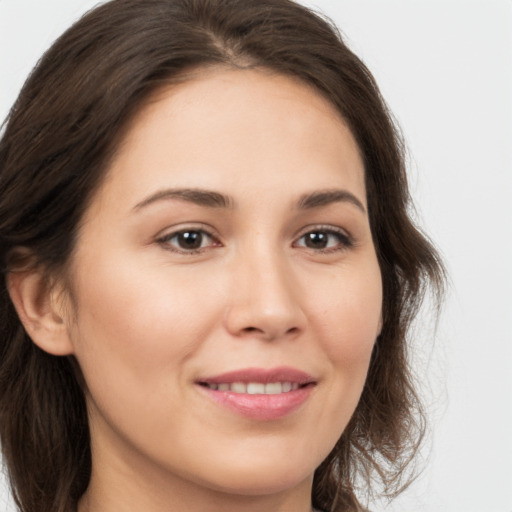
x=225, y=127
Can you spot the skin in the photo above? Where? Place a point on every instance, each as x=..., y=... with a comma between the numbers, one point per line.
x=149, y=317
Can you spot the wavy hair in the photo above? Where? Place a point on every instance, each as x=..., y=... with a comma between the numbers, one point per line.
x=58, y=141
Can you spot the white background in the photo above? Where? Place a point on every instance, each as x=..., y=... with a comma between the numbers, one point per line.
x=445, y=68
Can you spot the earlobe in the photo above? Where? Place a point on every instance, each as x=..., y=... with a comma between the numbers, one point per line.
x=41, y=315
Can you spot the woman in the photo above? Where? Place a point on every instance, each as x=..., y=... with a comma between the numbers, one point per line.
x=209, y=267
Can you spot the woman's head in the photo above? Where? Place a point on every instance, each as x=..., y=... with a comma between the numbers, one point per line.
x=89, y=111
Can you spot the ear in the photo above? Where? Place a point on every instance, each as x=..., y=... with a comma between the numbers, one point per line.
x=41, y=311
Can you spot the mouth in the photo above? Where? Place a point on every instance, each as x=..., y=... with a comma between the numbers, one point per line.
x=254, y=388
x=259, y=394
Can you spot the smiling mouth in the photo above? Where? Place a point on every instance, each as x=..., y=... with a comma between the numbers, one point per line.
x=255, y=388
x=260, y=394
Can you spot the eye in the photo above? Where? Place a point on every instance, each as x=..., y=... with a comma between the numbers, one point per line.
x=188, y=240
x=325, y=240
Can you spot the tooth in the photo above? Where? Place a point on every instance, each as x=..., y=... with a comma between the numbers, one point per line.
x=238, y=387
x=255, y=388
x=273, y=388
x=287, y=386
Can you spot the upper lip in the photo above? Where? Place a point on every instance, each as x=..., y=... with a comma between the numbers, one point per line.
x=262, y=375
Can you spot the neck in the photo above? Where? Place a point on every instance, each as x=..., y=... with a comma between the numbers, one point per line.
x=120, y=487
x=119, y=499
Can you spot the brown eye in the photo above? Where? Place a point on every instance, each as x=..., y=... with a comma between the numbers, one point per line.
x=188, y=240
x=324, y=239
x=316, y=240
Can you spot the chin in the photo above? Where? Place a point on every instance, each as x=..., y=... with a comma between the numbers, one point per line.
x=252, y=478
x=261, y=485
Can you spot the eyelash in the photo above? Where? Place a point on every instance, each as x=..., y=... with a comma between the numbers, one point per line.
x=166, y=240
x=344, y=240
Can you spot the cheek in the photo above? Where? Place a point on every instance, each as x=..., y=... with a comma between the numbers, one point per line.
x=347, y=321
x=351, y=313
x=350, y=317
x=145, y=321
x=133, y=339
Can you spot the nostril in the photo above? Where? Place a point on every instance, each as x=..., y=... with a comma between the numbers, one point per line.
x=269, y=333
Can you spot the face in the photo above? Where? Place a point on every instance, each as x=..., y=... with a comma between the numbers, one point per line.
x=226, y=289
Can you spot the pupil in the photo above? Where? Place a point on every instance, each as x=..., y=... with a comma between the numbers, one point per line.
x=316, y=240
x=190, y=239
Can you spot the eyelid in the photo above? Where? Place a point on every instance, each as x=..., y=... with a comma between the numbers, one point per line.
x=347, y=239
x=166, y=235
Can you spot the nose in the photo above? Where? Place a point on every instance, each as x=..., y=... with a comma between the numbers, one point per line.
x=265, y=301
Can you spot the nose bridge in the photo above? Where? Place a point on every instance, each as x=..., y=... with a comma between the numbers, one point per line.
x=265, y=299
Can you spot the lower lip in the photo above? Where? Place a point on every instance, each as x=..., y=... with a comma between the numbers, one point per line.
x=261, y=407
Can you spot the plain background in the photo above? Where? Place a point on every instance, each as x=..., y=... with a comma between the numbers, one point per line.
x=445, y=68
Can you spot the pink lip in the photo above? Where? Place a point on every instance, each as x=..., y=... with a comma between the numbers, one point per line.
x=281, y=374
x=260, y=407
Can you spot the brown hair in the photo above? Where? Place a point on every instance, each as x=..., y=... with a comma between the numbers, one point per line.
x=58, y=141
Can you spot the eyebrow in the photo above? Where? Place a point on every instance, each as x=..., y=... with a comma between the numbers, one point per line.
x=211, y=199
x=325, y=197
x=197, y=196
